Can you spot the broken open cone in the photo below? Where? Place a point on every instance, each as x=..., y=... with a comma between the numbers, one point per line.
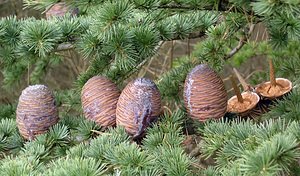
x=242, y=104
x=276, y=88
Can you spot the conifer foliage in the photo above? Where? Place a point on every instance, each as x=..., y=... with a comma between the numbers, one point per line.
x=117, y=38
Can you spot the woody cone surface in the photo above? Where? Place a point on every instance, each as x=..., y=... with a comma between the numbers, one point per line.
x=99, y=97
x=204, y=94
x=60, y=9
x=245, y=104
x=139, y=104
x=245, y=108
x=276, y=87
x=36, y=111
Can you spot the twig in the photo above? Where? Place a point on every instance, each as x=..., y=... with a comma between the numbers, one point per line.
x=188, y=47
x=28, y=74
x=248, y=77
x=168, y=109
x=221, y=8
x=245, y=85
x=98, y=132
x=193, y=35
x=198, y=165
x=240, y=44
x=172, y=54
x=64, y=47
x=69, y=46
x=143, y=62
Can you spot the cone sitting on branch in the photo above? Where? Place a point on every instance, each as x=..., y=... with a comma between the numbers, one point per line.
x=99, y=97
x=204, y=94
x=138, y=106
x=36, y=111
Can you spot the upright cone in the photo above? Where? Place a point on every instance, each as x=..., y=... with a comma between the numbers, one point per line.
x=60, y=9
x=204, y=94
x=139, y=105
x=36, y=111
x=99, y=97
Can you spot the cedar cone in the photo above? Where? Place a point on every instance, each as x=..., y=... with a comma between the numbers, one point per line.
x=139, y=105
x=60, y=9
x=36, y=111
x=99, y=97
x=204, y=94
x=275, y=88
x=247, y=108
x=282, y=87
x=246, y=104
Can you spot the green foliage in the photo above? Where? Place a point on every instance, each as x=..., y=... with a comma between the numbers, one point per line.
x=129, y=157
x=281, y=19
x=171, y=83
x=167, y=134
x=40, y=37
x=118, y=38
x=19, y=166
x=39, y=5
x=10, y=140
x=85, y=129
x=76, y=166
x=272, y=157
x=287, y=108
x=8, y=111
x=253, y=149
x=111, y=152
x=175, y=161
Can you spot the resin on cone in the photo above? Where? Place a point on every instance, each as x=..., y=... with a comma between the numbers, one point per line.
x=204, y=94
x=99, y=97
x=139, y=105
x=36, y=111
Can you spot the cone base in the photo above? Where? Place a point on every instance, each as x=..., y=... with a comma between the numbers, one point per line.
x=250, y=101
x=282, y=87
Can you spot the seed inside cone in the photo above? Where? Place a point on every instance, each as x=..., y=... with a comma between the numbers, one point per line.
x=282, y=87
x=250, y=101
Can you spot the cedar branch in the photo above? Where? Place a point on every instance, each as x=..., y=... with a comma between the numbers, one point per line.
x=241, y=43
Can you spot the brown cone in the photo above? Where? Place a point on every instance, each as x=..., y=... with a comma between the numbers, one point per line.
x=282, y=87
x=36, y=111
x=204, y=94
x=99, y=97
x=60, y=9
x=276, y=87
x=250, y=106
x=139, y=105
x=247, y=108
